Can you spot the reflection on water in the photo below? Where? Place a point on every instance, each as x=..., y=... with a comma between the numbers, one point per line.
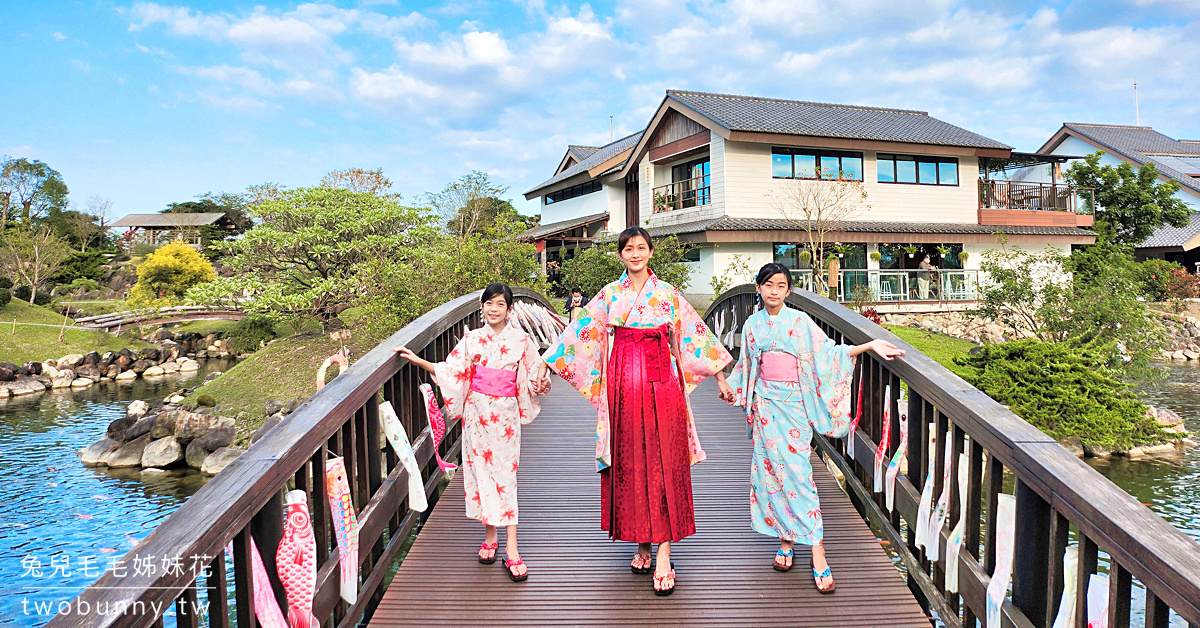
x=61, y=523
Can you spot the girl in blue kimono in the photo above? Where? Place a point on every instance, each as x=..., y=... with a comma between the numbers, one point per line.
x=792, y=379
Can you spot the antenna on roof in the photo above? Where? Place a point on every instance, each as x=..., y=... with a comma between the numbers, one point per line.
x=610, y=129
x=1137, y=116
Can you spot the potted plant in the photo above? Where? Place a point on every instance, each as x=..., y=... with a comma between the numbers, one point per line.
x=943, y=251
x=876, y=256
x=805, y=258
x=911, y=249
x=840, y=249
x=962, y=257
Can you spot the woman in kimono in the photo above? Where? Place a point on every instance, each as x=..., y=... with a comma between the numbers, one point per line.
x=491, y=381
x=792, y=379
x=634, y=352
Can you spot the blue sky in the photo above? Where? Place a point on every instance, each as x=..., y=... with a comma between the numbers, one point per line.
x=146, y=103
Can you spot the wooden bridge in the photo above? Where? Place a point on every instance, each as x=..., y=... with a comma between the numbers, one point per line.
x=577, y=577
x=160, y=316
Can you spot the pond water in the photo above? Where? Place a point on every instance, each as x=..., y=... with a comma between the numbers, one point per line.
x=61, y=523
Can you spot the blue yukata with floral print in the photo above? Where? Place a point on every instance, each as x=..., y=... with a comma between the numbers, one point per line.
x=781, y=417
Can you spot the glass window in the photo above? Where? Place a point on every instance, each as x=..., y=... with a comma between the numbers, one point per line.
x=852, y=168
x=693, y=254
x=927, y=172
x=906, y=169
x=886, y=165
x=830, y=167
x=781, y=166
x=587, y=187
x=786, y=254
x=806, y=166
x=948, y=173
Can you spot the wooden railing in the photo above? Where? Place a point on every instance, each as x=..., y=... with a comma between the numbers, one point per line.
x=1058, y=497
x=246, y=499
x=682, y=194
x=175, y=313
x=1035, y=196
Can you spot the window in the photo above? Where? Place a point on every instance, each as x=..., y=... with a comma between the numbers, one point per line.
x=691, y=183
x=800, y=163
x=692, y=255
x=918, y=170
x=573, y=191
x=785, y=254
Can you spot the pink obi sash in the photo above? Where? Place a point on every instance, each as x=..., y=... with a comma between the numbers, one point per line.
x=779, y=367
x=494, y=382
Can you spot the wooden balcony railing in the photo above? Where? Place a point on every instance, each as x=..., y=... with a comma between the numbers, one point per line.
x=246, y=499
x=682, y=194
x=1153, y=568
x=1035, y=197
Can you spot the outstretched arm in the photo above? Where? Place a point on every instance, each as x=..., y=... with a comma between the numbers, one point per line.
x=882, y=348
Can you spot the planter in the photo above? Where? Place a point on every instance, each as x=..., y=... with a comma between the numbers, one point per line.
x=910, y=255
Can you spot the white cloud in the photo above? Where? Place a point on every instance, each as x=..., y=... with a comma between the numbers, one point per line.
x=58, y=36
x=81, y=66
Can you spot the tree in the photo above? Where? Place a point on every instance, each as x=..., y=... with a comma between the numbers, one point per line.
x=473, y=204
x=33, y=255
x=34, y=186
x=304, y=258
x=599, y=265
x=1132, y=202
x=360, y=180
x=167, y=274
x=817, y=207
x=90, y=222
x=234, y=206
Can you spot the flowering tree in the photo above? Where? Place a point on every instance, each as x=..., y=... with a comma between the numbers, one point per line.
x=819, y=206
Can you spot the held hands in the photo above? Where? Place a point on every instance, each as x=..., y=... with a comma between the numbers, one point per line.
x=541, y=384
x=726, y=393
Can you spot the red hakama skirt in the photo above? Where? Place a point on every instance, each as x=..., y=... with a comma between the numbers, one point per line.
x=646, y=494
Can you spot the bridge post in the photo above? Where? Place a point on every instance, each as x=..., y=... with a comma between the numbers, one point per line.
x=1031, y=565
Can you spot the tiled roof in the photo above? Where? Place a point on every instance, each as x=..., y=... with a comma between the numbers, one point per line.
x=175, y=219
x=540, y=231
x=582, y=151
x=597, y=157
x=794, y=117
x=1167, y=235
x=727, y=223
x=1140, y=144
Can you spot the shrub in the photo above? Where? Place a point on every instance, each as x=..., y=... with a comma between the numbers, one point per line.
x=599, y=265
x=167, y=274
x=87, y=265
x=5, y=296
x=1063, y=391
x=83, y=283
x=206, y=401
x=1182, y=284
x=1153, y=277
x=41, y=298
x=249, y=332
x=6, y=283
x=22, y=293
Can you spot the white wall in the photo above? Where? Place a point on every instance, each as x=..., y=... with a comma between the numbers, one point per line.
x=1075, y=146
x=715, y=260
x=747, y=169
x=577, y=207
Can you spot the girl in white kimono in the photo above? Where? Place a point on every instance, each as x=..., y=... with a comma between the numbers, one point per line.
x=491, y=381
x=793, y=379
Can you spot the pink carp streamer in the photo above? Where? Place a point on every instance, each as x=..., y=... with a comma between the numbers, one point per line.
x=437, y=425
x=266, y=608
x=857, y=416
x=296, y=561
x=345, y=526
x=885, y=440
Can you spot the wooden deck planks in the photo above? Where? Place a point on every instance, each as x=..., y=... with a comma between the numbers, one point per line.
x=578, y=577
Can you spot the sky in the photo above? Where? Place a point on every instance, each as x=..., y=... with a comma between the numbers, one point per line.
x=148, y=103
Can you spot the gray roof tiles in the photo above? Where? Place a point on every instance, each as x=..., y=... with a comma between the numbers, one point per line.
x=727, y=223
x=175, y=219
x=597, y=157
x=541, y=231
x=794, y=117
x=1168, y=236
x=1140, y=144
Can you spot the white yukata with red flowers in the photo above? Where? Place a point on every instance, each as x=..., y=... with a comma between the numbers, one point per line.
x=491, y=443
x=781, y=418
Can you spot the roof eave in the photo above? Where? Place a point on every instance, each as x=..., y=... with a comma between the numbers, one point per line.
x=670, y=102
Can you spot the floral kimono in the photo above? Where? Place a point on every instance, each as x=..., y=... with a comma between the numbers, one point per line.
x=635, y=356
x=487, y=381
x=782, y=411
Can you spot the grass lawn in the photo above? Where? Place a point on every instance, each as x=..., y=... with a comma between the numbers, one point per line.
x=283, y=370
x=942, y=348
x=38, y=343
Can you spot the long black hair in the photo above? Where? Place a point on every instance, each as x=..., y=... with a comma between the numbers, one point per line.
x=632, y=233
x=497, y=289
x=770, y=270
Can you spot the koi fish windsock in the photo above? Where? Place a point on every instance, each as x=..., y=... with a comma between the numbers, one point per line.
x=266, y=608
x=345, y=526
x=893, y=468
x=399, y=439
x=926, y=504
x=296, y=561
x=857, y=416
x=941, y=512
x=1097, y=601
x=437, y=425
x=954, y=543
x=885, y=440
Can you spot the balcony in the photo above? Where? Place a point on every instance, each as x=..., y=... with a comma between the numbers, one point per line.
x=1008, y=203
x=898, y=286
x=682, y=194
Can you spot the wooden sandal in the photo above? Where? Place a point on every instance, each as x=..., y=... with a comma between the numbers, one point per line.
x=783, y=554
x=828, y=573
x=509, y=564
x=641, y=563
x=659, y=589
x=488, y=547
